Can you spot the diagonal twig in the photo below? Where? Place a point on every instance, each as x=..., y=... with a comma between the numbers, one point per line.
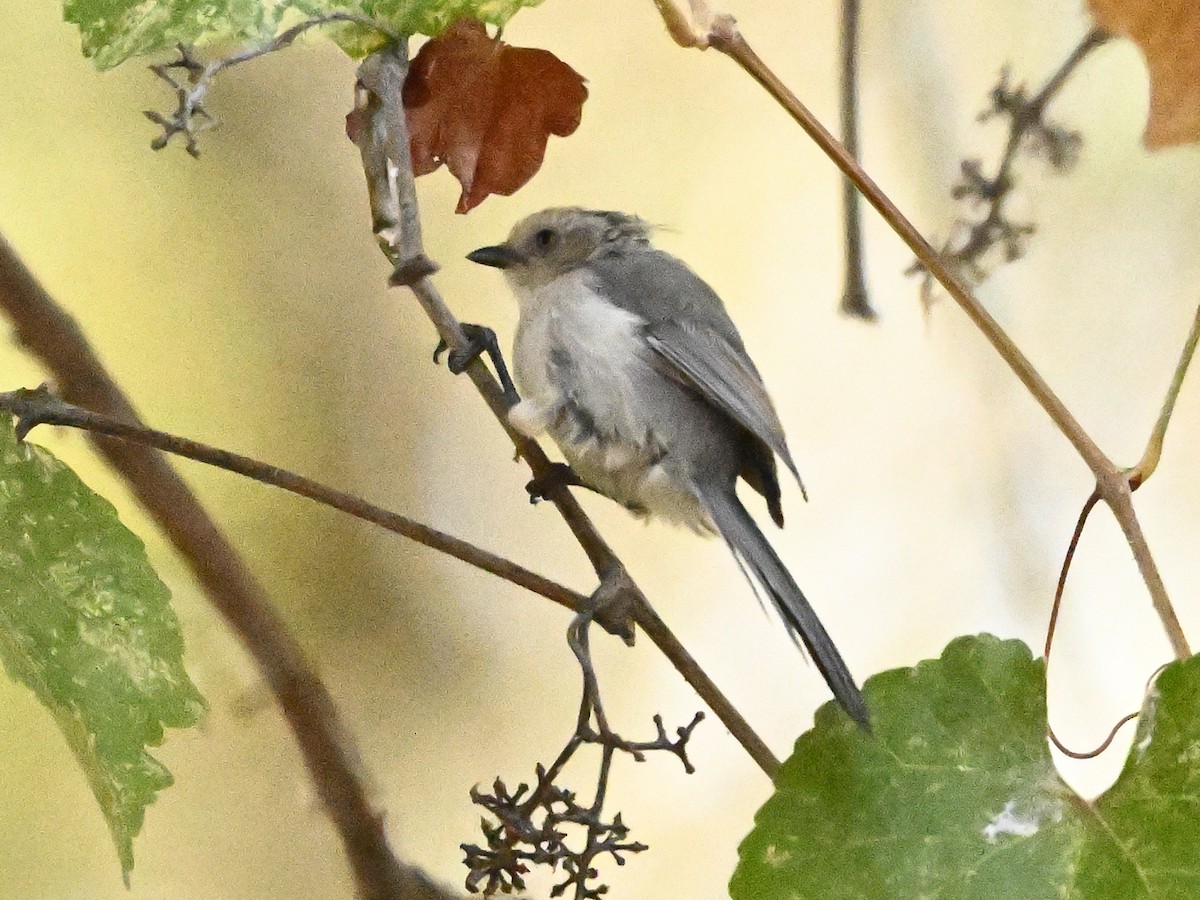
x=333, y=764
x=40, y=407
x=710, y=28
x=383, y=125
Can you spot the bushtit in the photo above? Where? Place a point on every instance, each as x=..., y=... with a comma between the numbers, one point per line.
x=632, y=365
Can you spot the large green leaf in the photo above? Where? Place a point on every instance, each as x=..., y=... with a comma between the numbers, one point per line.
x=955, y=794
x=115, y=30
x=86, y=624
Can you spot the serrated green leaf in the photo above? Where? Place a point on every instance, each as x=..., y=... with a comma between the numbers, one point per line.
x=116, y=30
x=955, y=795
x=87, y=625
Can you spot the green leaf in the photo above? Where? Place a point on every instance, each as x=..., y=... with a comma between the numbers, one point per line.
x=430, y=17
x=86, y=624
x=116, y=30
x=955, y=794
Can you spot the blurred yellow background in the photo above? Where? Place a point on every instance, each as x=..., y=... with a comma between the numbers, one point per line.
x=240, y=300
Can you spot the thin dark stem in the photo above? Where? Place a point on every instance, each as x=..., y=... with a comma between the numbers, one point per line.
x=1064, y=572
x=1093, y=39
x=48, y=332
x=1052, y=628
x=855, y=301
x=1098, y=749
x=42, y=408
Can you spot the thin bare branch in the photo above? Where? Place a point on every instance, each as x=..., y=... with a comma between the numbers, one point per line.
x=190, y=116
x=333, y=763
x=1111, y=482
x=384, y=126
x=40, y=407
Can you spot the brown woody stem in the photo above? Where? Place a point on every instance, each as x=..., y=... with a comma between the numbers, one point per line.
x=1111, y=482
x=47, y=331
x=40, y=407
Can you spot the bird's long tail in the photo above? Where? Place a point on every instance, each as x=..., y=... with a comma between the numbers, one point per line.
x=752, y=549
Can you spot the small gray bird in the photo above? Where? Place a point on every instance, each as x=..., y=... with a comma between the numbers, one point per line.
x=632, y=365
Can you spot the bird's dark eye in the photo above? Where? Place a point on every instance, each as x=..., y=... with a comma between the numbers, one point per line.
x=545, y=238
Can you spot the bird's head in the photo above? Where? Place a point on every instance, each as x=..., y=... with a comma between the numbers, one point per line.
x=555, y=241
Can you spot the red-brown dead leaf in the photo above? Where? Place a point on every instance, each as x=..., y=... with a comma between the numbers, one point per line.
x=1168, y=34
x=487, y=109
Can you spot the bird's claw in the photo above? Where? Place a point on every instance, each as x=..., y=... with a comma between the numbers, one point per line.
x=559, y=475
x=480, y=340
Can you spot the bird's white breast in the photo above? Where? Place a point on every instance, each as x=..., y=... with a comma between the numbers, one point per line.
x=567, y=325
x=580, y=358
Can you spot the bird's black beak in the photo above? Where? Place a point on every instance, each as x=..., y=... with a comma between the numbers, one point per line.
x=501, y=256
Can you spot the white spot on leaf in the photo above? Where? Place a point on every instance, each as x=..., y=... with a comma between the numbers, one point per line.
x=1010, y=822
x=775, y=857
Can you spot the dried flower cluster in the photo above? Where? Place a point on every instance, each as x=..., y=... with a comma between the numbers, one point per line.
x=974, y=239
x=547, y=825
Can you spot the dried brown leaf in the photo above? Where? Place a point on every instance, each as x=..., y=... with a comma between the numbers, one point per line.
x=1168, y=34
x=486, y=109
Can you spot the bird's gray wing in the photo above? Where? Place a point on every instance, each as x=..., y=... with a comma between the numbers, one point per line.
x=687, y=326
x=725, y=378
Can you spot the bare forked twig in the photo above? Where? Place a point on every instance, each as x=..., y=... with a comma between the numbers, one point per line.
x=190, y=117
x=534, y=826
